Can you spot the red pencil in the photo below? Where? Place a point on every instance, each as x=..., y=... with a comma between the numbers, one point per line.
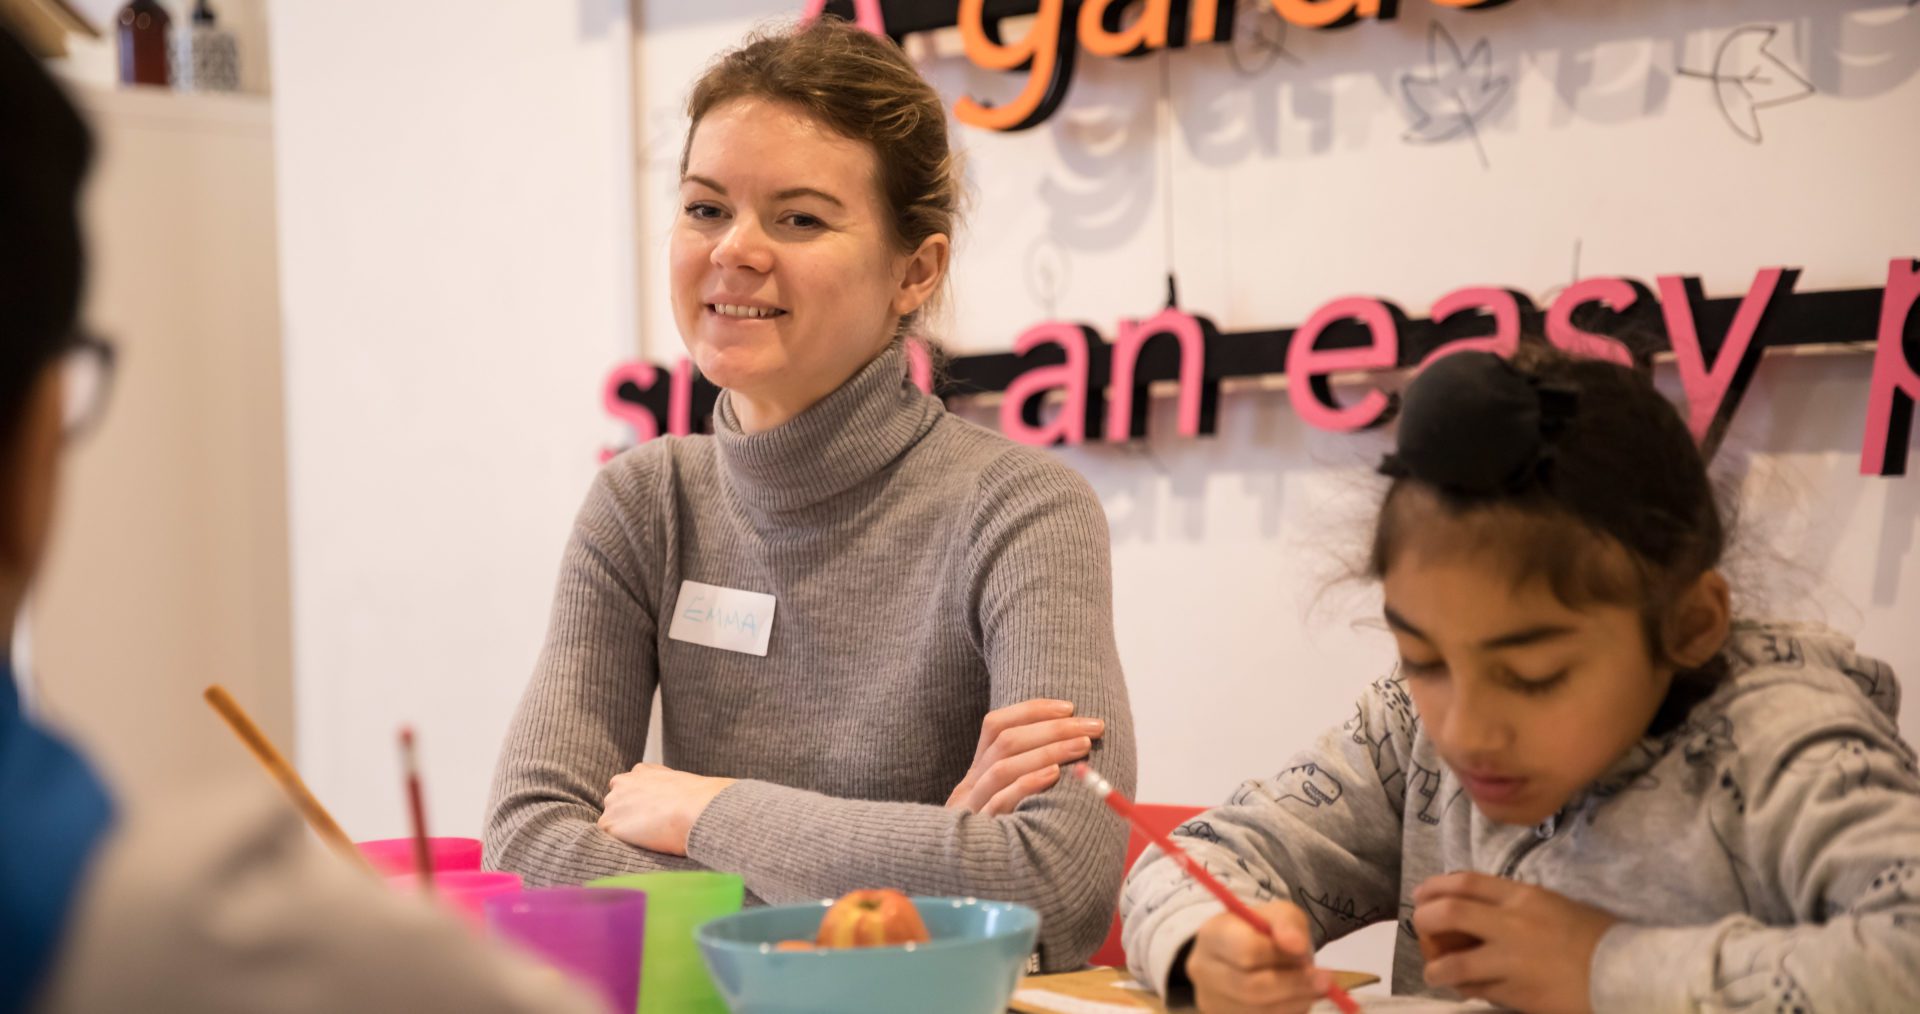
x=422, y=855
x=1122, y=806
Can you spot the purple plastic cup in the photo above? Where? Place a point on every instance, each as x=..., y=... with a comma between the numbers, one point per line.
x=462, y=890
x=394, y=856
x=592, y=934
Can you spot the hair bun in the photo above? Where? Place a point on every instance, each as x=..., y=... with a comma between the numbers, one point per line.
x=1472, y=424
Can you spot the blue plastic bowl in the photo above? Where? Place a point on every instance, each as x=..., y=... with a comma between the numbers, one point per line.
x=971, y=966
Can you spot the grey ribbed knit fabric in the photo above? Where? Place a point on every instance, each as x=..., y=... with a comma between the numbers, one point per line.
x=925, y=571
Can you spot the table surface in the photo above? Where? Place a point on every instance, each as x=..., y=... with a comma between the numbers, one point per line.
x=1113, y=991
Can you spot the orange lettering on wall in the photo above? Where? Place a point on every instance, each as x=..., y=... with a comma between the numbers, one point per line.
x=1060, y=28
x=1149, y=31
x=1205, y=21
x=1041, y=52
x=1325, y=13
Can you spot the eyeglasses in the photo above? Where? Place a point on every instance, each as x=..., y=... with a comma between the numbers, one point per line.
x=86, y=379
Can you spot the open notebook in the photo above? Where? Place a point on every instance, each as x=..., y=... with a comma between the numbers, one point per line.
x=1113, y=991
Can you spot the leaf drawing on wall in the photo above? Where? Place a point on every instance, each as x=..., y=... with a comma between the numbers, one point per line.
x=1454, y=94
x=1259, y=38
x=1748, y=76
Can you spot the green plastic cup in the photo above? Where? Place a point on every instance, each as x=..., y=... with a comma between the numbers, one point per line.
x=673, y=978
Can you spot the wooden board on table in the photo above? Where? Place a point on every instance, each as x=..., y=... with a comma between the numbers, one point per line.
x=1116, y=991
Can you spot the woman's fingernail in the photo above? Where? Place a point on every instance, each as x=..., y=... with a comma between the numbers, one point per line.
x=1082, y=745
x=1093, y=725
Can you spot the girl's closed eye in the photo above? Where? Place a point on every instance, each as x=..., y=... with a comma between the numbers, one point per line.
x=1538, y=684
x=1423, y=669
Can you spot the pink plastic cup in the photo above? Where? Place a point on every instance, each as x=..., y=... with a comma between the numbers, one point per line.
x=393, y=856
x=464, y=891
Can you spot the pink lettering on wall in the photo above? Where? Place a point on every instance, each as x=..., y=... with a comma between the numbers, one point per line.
x=919, y=365
x=1048, y=403
x=1308, y=367
x=680, y=405
x=1503, y=305
x=1070, y=425
x=641, y=376
x=866, y=14
x=1896, y=374
x=1617, y=294
x=1127, y=402
x=1714, y=391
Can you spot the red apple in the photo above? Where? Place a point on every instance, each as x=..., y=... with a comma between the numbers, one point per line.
x=883, y=918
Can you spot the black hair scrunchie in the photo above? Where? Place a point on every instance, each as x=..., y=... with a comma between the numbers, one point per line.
x=1473, y=425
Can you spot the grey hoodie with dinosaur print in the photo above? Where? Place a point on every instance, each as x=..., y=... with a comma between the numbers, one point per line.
x=1763, y=855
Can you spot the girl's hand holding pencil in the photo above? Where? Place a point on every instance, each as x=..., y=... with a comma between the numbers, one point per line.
x=1238, y=970
x=1289, y=938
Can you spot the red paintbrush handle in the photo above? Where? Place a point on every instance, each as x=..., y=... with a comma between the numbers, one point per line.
x=417, y=810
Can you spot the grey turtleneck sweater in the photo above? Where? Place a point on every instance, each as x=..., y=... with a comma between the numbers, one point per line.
x=925, y=571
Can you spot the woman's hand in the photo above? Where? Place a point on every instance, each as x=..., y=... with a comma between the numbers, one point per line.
x=1514, y=944
x=1235, y=970
x=1021, y=749
x=655, y=807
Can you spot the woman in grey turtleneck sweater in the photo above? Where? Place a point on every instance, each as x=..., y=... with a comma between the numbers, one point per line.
x=925, y=600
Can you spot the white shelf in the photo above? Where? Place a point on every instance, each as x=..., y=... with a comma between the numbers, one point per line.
x=158, y=107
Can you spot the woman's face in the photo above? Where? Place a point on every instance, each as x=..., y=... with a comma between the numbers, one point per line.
x=786, y=277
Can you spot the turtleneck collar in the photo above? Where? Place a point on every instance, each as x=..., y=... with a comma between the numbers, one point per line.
x=838, y=443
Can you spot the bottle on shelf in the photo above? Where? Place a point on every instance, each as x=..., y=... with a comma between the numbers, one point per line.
x=205, y=58
x=143, y=26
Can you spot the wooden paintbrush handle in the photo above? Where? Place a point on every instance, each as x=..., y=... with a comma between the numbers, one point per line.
x=269, y=757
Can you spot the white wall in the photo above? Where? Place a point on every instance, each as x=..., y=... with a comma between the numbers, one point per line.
x=169, y=566
x=456, y=242
x=458, y=261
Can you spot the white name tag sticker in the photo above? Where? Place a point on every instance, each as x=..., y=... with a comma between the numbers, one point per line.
x=724, y=618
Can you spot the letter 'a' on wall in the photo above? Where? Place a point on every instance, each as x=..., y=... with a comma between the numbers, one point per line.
x=1617, y=294
x=1896, y=374
x=1505, y=306
x=1020, y=410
